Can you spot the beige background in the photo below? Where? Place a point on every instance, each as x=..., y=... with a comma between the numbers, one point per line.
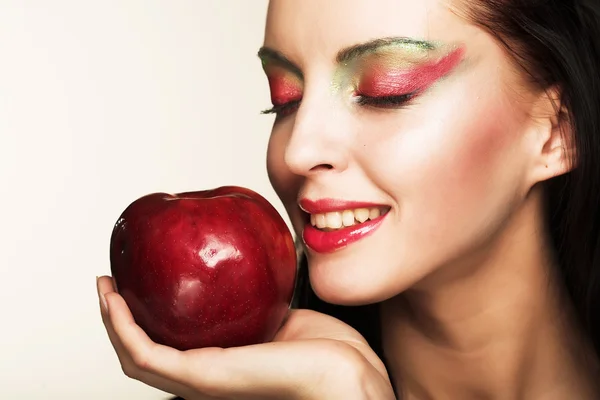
x=102, y=102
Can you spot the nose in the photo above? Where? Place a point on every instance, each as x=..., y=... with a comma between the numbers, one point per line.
x=318, y=142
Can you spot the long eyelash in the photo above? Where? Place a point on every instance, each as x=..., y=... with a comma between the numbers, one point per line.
x=385, y=101
x=395, y=101
x=281, y=108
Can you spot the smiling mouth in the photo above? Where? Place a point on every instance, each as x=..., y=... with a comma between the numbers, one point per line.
x=336, y=220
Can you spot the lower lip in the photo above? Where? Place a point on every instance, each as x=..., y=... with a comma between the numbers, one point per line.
x=328, y=242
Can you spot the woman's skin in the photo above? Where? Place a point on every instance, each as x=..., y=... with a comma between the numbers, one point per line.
x=461, y=263
x=465, y=239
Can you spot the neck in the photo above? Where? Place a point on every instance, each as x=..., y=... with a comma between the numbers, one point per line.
x=499, y=329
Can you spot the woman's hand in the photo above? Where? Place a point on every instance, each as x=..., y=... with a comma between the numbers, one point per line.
x=313, y=356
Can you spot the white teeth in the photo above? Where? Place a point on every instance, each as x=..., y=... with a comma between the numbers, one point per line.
x=339, y=219
x=348, y=218
x=321, y=221
x=334, y=220
x=374, y=213
x=361, y=215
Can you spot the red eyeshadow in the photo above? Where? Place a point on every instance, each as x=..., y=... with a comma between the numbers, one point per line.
x=283, y=89
x=381, y=81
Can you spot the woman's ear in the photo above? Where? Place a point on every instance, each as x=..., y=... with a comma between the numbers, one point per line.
x=553, y=138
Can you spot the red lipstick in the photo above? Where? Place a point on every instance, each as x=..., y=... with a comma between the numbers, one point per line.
x=381, y=81
x=322, y=241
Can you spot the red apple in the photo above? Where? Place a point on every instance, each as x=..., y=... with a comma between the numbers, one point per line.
x=213, y=268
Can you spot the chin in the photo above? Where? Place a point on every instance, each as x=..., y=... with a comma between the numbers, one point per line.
x=348, y=283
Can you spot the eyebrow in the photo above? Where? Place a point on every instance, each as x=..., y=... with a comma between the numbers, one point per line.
x=349, y=53
x=268, y=54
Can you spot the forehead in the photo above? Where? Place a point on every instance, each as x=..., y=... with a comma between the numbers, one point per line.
x=313, y=29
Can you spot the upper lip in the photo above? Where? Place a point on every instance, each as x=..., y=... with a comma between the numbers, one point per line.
x=322, y=206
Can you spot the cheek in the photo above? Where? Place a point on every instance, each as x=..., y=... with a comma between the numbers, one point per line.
x=456, y=170
x=285, y=184
x=467, y=160
x=276, y=168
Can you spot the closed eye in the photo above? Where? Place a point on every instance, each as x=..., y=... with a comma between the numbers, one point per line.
x=395, y=101
x=282, y=110
x=390, y=102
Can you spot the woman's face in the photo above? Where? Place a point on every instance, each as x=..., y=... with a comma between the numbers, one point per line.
x=399, y=148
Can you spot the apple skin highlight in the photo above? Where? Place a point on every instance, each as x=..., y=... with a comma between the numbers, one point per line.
x=213, y=268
